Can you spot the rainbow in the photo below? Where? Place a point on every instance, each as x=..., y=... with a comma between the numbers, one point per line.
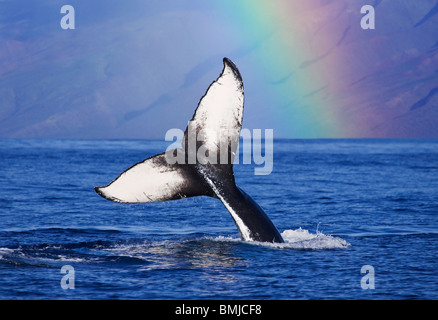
x=299, y=45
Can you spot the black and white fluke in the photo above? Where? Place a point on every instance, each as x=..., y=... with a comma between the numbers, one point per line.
x=218, y=118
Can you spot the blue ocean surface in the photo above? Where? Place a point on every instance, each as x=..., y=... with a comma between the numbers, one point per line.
x=359, y=217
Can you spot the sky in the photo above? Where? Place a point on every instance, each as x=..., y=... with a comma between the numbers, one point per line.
x=135, y=68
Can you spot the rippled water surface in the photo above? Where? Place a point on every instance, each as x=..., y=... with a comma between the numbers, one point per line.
x=339, y=204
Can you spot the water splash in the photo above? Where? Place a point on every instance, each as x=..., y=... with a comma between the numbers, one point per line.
x=303, y=239
x=300, y=239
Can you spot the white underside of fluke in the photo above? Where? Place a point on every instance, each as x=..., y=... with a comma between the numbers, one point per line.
x=148, y=181
x=219, y=117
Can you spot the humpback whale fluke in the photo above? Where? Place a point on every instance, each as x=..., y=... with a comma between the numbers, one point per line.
x=204, y=163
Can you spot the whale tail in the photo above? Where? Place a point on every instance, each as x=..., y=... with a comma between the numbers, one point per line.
x=210, y=141
x=204, y=163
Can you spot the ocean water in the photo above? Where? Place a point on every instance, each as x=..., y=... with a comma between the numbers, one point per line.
x=359, y=217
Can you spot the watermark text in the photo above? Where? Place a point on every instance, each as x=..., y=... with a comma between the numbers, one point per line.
x=207, y=147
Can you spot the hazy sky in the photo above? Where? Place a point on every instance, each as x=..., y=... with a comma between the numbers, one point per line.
x=135, y=69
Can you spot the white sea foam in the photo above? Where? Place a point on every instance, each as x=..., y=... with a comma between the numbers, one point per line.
x=303, y=239
x=5, y=251
x=300, y=239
